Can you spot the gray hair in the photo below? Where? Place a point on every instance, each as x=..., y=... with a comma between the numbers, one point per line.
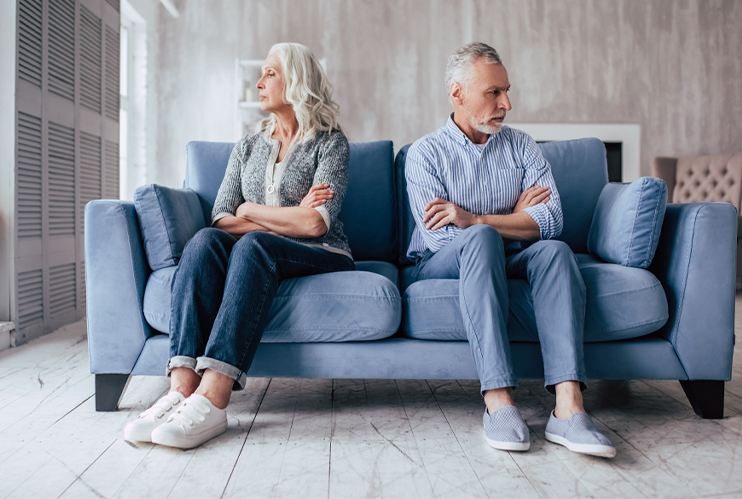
x=457, y=69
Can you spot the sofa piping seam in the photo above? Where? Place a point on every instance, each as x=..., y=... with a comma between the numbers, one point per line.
x=681, y=298
x=636, y=216
x=140, y=300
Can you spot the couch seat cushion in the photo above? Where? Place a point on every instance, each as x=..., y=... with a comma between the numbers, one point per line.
x=340, y=306
x=622, y=302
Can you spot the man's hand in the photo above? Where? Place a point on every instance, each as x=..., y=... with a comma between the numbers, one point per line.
x=532, y=197
x=317, y=196
x=439, y=213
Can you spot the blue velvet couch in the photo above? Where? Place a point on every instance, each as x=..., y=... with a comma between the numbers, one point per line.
x=674, y=320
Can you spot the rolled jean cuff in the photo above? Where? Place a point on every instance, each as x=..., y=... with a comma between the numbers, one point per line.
x=180, y=361
x=551, y=381
x=501, y=383
x=239, y=377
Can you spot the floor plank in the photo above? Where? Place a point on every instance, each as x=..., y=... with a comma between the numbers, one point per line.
x=306, y=463
x=446, y=463
x=661, y=429
x=107, y=474
x=216, y=458
x=373, y=450
x=54, y=460
x=352, y=438
x=258, y=469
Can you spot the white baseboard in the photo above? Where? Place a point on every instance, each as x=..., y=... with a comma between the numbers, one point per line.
x=6, y=328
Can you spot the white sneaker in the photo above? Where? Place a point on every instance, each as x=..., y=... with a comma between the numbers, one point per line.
x=140, y=429
x=193, y=423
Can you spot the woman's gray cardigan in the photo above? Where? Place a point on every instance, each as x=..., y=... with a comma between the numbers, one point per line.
x=321, y=160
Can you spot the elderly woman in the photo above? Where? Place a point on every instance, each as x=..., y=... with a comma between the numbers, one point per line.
x=275, y=217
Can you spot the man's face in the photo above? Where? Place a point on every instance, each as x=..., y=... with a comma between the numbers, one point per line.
x=485, y=101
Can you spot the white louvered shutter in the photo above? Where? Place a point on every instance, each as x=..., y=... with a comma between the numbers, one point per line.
x=66, y=151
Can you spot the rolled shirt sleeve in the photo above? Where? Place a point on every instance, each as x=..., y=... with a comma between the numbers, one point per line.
x=325, y=215
x=548, y=216
x=424, y=185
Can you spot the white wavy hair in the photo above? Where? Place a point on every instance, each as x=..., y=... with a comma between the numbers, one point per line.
x=307, y=89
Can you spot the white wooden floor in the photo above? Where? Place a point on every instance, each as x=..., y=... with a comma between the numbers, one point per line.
x=350, y=438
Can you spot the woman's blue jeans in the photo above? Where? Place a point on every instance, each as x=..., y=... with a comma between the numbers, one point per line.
x=222, y=294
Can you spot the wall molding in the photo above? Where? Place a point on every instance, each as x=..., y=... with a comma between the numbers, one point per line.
x=628, y=134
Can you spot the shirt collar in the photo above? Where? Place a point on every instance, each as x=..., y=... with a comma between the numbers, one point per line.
x=455, y=131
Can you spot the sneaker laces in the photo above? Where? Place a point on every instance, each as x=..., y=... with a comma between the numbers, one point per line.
x=162, y=406
x=189, y=413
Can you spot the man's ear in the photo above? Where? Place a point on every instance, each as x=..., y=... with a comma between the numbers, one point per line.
x=457, y=93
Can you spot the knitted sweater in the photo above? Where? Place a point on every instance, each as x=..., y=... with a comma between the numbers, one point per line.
x=321, y=160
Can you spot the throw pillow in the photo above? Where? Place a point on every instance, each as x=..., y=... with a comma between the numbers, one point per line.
x=168, y=218
x=627, y=222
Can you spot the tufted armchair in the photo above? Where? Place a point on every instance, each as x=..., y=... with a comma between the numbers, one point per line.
x=695, y=179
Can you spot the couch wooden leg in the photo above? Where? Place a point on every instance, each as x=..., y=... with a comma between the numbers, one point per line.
x=109, y=388
x=706, y=397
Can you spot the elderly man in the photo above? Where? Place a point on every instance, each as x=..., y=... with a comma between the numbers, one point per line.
x=486, y=209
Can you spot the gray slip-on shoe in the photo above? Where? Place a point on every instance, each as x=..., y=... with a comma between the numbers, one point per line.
x=506, y=430
x=579, y=434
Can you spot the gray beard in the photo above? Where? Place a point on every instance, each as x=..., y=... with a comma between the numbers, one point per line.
x=484, y=128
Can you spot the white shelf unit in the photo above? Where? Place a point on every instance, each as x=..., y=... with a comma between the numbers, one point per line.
x=247, y=112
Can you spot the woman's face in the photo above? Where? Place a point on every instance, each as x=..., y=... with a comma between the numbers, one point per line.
x=270, y=85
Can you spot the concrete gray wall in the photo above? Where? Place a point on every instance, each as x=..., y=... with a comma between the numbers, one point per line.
x=672, y=66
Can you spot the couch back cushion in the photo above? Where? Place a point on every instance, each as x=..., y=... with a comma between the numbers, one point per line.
x=369, y=210
x=700, y=179
x=580, y=172
x=206, y=164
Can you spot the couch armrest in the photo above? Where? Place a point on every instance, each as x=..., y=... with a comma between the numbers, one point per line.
x=116, y=273
x=695, y=261
x=666, y=169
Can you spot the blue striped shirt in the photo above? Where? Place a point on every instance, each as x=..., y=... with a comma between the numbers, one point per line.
x=446, y=164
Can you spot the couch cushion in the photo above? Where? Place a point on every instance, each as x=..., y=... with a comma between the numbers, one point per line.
x=622, y=302
x=627, y=222
x=370, y=195
x=340, y=306
x=369, y=212
x=168, y=218
x=386, y=269
x=580, y=172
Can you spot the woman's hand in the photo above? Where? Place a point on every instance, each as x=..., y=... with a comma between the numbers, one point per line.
x=532, y=197
x=317, y=196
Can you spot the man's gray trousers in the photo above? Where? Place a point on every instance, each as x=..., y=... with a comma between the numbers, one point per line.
x=477, y=258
